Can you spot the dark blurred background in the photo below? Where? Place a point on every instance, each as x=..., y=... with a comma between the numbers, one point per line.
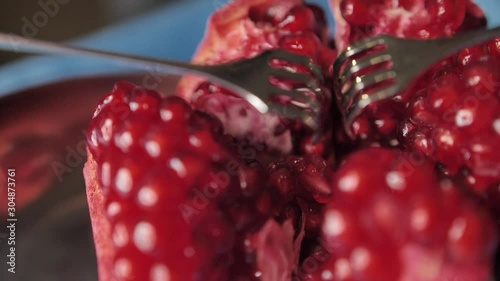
x=59, y=20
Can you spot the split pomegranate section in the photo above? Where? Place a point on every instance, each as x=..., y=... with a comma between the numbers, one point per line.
x=201, y=186
x=451, y=114
x=418, y=19
x=395, y=220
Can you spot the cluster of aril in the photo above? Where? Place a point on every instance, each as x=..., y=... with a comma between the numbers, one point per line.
x=178, y=193
x=455, y=119
x=149, y=180
x=451, y=118
x=420, y=19
x=391, y=218
x=452, y=113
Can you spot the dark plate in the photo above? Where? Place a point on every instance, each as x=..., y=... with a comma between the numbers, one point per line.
x=42, y=136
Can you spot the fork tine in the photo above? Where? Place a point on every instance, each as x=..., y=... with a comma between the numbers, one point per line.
x=309, y=82
x=316, y=71
x=298, y=59
x=281, y=73
x=363, y=63
x=373, y=78
x=361, y=102
x=318, y=92
x=356, y=48
x=294, y=94
x=364, y=82
x=299, y=98
x=292, y=112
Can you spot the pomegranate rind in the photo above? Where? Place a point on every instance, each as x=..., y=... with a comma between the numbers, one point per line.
x=101, y=227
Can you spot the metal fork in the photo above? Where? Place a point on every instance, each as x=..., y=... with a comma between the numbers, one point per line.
x=250, y=78
x=401, y=61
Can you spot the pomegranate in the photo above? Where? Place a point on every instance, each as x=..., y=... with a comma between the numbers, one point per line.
x=201, y=186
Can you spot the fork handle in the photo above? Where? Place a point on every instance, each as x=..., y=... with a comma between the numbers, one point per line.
x=219, y=73
x=467, y=39
x=16, y=43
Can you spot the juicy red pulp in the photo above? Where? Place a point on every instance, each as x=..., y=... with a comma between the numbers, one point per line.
x=453, y=121
x=451, y=114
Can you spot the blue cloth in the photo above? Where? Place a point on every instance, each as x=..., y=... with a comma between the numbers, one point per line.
x=171, y=31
